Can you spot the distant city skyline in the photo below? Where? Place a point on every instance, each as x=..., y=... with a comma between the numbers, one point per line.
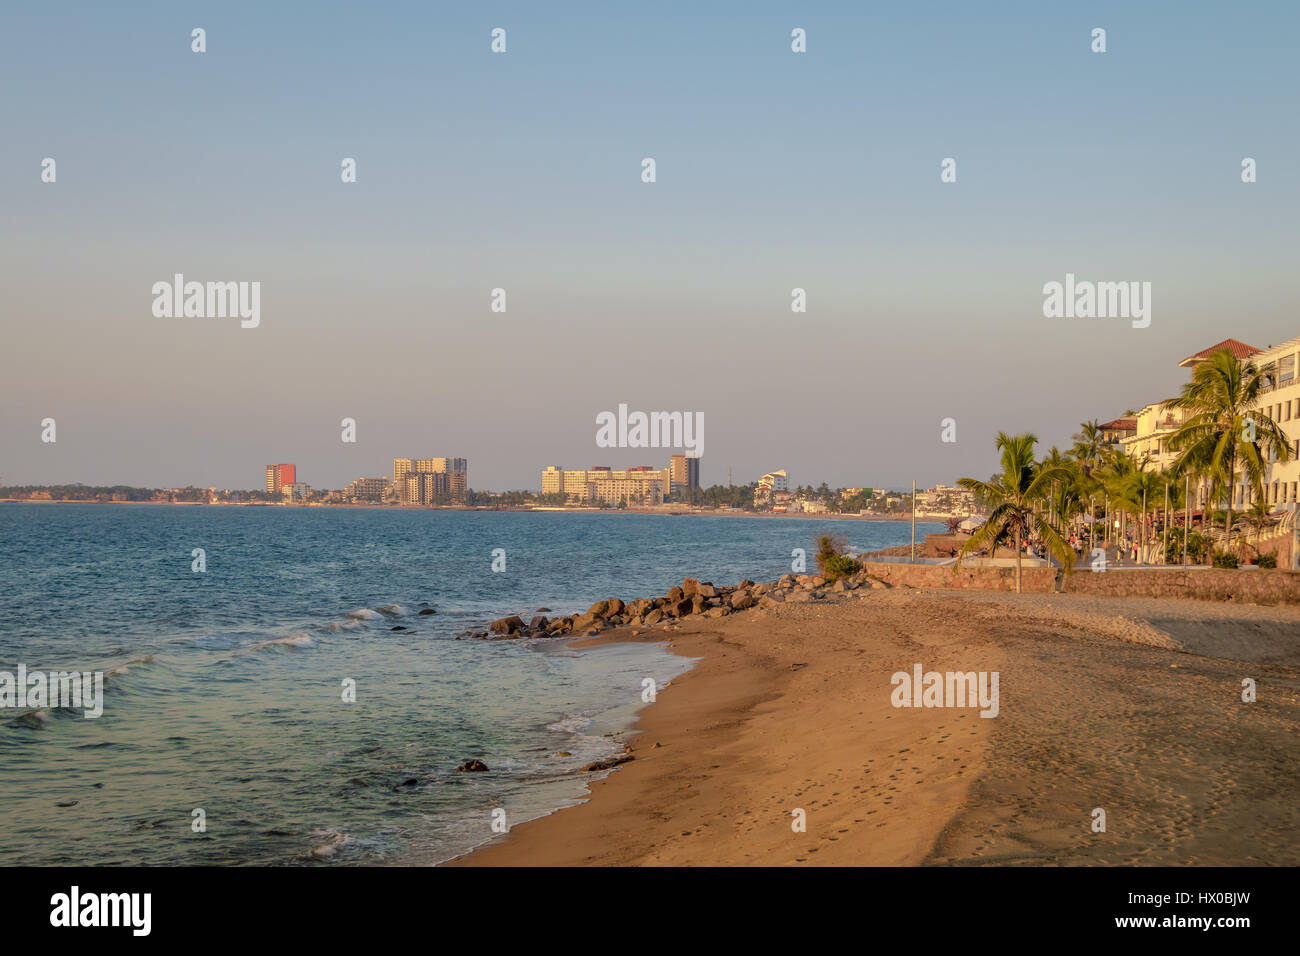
x=475, y=172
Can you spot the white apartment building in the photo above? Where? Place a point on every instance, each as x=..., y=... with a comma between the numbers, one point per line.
x=1158, y=421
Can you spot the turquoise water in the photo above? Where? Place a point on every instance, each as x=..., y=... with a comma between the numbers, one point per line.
x=224, y=689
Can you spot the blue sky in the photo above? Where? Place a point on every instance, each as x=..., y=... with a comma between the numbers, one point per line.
x=522, y=171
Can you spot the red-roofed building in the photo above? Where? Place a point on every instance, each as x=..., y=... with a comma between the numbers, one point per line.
x=1240, y=351
x=1118, y=430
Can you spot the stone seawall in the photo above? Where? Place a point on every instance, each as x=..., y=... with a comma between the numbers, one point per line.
x=1247, y=586
x=943, y=576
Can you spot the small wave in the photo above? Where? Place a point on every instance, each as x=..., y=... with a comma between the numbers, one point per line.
x=394, y=610
x=32, y=720
x=297, y=639
x=343, y=625
x=326, y=843
x=363, y=614
x=123, y=668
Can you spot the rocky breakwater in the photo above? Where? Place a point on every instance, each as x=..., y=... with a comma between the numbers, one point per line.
x=693, y=598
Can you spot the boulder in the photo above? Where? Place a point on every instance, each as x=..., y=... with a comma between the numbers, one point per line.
x=539, y=623
x=615, y=606
x=654, y=616
x=692, y=587
x=698, y=604
x=506, y=625
x=799, y=597
x=675, y=594
x=472, y=766
x=717, y=612
x=741, y=600
x=683, y=607
x=599, y=609
x=427, y=610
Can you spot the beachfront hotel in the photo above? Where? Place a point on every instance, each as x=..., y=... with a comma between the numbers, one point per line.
x=1280, y=402
x=426, y=481
x=278, y=476
x=642, y=485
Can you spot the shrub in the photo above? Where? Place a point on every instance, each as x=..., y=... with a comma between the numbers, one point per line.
x=1225, y=559
x=1266, y=560
x=839, y=566
x=1196, y=547
x=831, y=560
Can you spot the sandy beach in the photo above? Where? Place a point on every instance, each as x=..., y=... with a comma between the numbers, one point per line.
x=1130, y=705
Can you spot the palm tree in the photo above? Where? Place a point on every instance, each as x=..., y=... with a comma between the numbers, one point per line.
x=1013, y=494
x=1215, y=439
x=1088, y=443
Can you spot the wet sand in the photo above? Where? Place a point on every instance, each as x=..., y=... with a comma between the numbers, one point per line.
x=1129, y=705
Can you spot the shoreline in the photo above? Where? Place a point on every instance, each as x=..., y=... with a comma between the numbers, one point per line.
x=788, y=708
x=926, y=517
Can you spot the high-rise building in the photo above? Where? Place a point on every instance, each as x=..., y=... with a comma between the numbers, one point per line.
x=452, y=481
x=277, y=476
x=685, y=473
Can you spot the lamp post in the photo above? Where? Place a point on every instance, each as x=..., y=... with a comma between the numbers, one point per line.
x=913, y=558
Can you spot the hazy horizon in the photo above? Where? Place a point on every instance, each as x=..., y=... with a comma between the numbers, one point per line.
x=522, y=171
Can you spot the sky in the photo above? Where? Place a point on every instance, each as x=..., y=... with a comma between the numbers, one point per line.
x=522, y=171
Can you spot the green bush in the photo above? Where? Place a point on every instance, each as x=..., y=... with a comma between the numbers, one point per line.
x=839, y=566
x=1266, y=560
x=1225, y=559
x=1196, y=547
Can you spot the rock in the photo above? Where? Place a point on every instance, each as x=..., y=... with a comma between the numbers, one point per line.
x=397, y=628
x=741, y=600
x=654, y=616
x=839, y=585
x=717, y=612
x=427, y=610
x=698, y=604
x=683, y=607
x=472, y=766
x=505, y=625
x=692, y=587
x=674, y=594
x=539, y=623
x=799, y=597
x=410, y=782
x=599, y=609
x=615, y=606
x=786, y=580
x=767, y=600
x=818, y=581
x=543, y=610
x=607, y=764
x=745, y=585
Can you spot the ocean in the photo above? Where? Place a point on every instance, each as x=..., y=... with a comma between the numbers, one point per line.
x=226, y=737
